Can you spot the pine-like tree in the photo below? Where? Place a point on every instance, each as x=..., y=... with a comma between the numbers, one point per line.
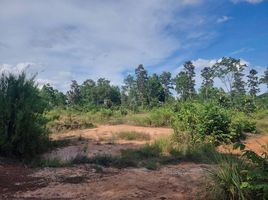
x=264, y=78
x=185, y=82
x=253, y=83
x=142, y=84
x=167, y=84
x=207, y=74
x=73, y=95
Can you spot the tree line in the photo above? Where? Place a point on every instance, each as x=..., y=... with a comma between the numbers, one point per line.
x=146, y=90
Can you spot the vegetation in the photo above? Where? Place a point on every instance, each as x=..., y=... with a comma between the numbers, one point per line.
x=241, y=178
x=151, y=156
x=202, y=119
x=22, y=131
x=132, y=135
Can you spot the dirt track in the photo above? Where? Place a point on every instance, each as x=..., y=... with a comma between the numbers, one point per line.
x=181, y=181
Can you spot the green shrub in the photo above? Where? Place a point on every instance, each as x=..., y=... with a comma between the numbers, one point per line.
x=241, y=123
x=241, y=178
x=22, y=125
x=211, y=121
x=215, y=121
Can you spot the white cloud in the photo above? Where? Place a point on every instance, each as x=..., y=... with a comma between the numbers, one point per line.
x=201, y=63
x=16, y=69
x=248, y=1
x=223, y=19
x=89, y=39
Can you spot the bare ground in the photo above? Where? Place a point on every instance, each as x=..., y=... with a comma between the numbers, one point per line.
x=181, y=181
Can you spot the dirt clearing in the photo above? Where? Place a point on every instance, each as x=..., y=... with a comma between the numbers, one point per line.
x=88, y=181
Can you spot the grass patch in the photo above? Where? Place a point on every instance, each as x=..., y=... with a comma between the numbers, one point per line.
x=132, y=135
x=152, y=156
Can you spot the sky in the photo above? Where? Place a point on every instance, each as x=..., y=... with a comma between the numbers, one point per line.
x=80, y=39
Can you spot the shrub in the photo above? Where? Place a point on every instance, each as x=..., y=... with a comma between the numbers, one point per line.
x=241, y=178
x=211, y=121
x=215, y=121
x=241, y=123
x=22, y=125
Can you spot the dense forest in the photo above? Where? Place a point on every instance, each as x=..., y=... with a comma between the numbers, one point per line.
x=202, y=120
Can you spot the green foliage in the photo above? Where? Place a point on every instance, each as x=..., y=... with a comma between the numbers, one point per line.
x=167, y=84
x=74, y=94
x=228, y=70
x=241, y=178
x=22, y=130
x=52, y=97
x=253, y=83
x=264, y=78
x=211, y=121
x=241, y=123
x=142, y=85
x=185, y=81
x=215, y=121
x=155, y=91
x=207, y=84
x=227, y=178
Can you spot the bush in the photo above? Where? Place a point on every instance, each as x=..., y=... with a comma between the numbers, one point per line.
x=241, y=123
x=211, y=121
x=22, y=125
x=215, y=121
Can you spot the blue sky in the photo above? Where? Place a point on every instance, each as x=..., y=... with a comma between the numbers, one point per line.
x=78, y=39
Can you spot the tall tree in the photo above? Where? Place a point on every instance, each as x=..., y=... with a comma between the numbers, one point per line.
x=52, y=96
x=167, y=84
x=229, y=71
x=73, y=95
x=239, y=85
x=207, y=74
x=181, y=85
x=185, y=82
x=253, y=83
x=129, y=96
x=155, y=90
x=264, y=78
x=88, y=92
x=142, y=84
x=106, y=94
